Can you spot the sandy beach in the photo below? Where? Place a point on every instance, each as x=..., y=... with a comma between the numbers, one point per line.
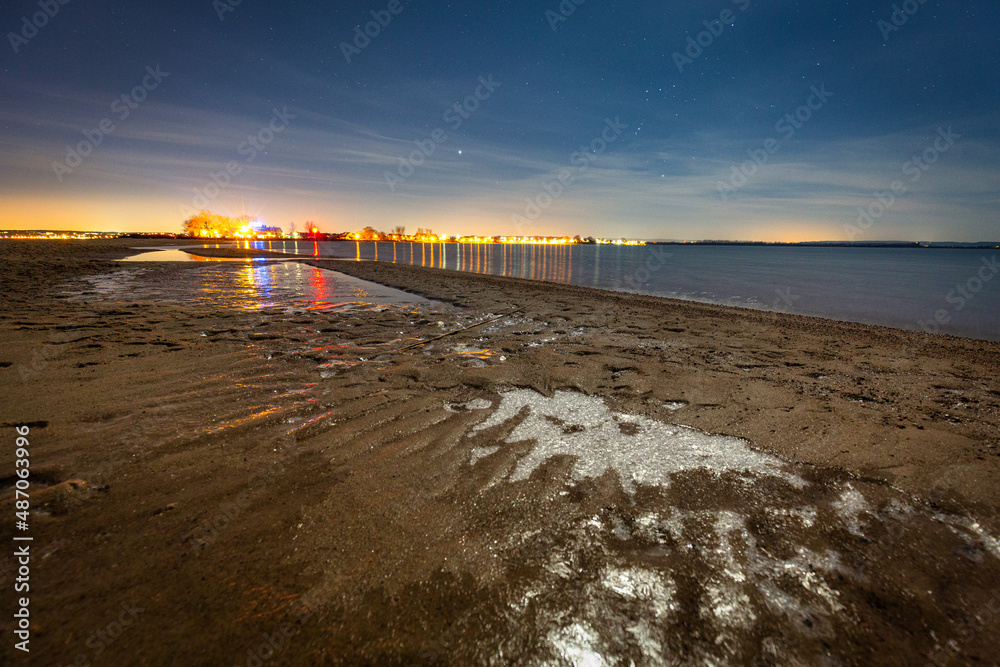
x=515, y=473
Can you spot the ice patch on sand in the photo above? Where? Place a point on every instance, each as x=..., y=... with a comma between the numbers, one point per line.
x=971, y=531
x=758, y=573
x=727, y=606
x=481, y=453
x=474, y=404
x=577, y=645
x=638, y=584
x=107, y=284
x=742, y=572
x=807, y=514
x=850, y=507
x=640, y=450
x=601, y=615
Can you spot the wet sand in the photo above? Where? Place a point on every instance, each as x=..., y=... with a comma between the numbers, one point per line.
x=315, y=486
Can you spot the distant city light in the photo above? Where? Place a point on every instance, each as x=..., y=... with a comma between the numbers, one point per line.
x=60, y=235
x=426, y=236
x=208, y=225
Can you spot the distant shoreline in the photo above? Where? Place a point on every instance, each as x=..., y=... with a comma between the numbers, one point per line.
x=22, y=235
x=983, y=245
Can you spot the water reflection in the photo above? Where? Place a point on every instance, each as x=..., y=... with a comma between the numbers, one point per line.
x=291, y=283
x=246, y=285
x=176, y=256
x=532, y=261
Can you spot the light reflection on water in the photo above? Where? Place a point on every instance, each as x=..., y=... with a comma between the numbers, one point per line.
x=163, y=256
x=177, y=256
x=247, y=285
x=530, y=261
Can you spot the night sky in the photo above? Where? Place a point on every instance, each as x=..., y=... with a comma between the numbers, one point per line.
x=602, y=118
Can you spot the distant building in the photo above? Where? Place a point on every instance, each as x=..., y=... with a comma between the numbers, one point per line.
x=269, y=233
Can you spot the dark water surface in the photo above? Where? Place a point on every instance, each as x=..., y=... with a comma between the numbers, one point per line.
x=935, y=289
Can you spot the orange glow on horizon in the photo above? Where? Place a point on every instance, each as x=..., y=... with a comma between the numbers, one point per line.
x=72, y=211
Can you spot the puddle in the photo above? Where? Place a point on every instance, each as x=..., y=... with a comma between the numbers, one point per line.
x=242, y=284
x=180, y=256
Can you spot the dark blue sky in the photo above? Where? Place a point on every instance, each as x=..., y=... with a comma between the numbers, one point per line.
x=609, y=122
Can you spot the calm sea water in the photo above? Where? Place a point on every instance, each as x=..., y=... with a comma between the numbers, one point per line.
x=931, y=289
